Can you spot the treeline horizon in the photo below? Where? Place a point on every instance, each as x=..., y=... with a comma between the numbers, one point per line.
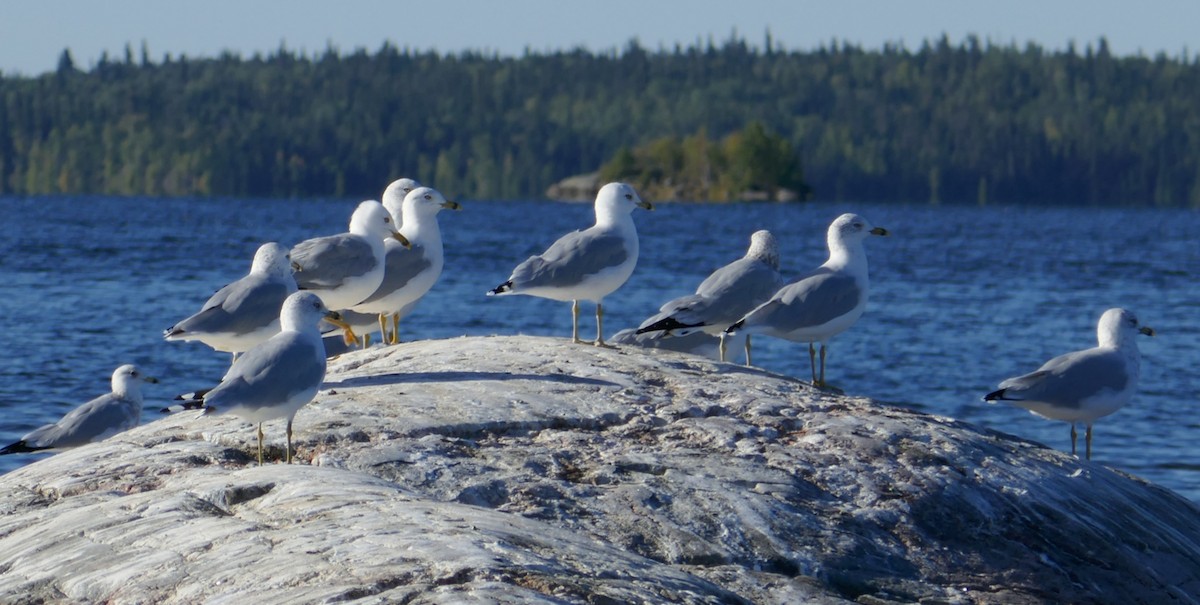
x=957, y=123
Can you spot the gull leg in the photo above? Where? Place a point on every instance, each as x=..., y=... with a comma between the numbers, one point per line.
x=366, y=340
x=1072, y=438
x=822, y=364
x=1088, y=440
x=721, y=347
x=575, y=322
x=599, y=325
x=747, y=350
x=396, y=329
x=260, y=444
x=289, y=441
x=812, y=360
x=383, y=328
x=349, y=336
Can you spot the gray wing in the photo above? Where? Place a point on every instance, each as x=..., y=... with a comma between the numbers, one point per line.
x=1069, y=379
x=571, y=259
x=327, y=261
x=812, y=301
x=240, y=308
x=99, y=418
x=270, y=374
x=730, y=293
x=402, y=266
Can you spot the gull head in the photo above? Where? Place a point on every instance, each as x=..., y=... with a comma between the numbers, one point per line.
x=304, y=310
x=852, y=228
x=764, y=247
x=127, y=379
x=426, y=201
x=619, y=197
x=1119, y=326
x=273, y=259
x=372, y=220
x=393, y=196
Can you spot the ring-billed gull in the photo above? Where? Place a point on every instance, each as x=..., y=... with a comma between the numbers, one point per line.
x=1083, y=385
x=409, y=272
x=245, y=312
x=97, y=419
x=278, y=377
x=588, y=264
x=344, y=269
x=725, y=296
x=823, y=303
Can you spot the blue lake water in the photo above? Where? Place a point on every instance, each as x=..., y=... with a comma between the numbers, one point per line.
x=962, y=297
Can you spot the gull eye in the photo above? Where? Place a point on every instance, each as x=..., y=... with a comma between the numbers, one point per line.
x=387, y=219
x=428, y=197
x=629, y=196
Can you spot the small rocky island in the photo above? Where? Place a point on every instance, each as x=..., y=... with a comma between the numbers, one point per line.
x=530, y=470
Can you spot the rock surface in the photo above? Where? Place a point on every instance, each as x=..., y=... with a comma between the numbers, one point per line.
x=530, y=470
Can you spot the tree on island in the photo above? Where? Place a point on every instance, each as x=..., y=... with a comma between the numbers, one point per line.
x=751, y=164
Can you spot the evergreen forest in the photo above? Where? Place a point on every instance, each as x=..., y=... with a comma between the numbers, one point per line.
x=971, y=122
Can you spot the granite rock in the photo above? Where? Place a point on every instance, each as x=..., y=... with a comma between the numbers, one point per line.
x=531, y=470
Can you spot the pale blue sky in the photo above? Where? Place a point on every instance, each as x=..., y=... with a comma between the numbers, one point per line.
x=33, y=33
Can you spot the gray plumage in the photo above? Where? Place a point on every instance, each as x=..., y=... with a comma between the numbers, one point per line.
x=100, y=418
x=821, y=297
x=329, y=261
x=588, y=264
x=401, y=266
x=278, y=377
x=725, y=296
x=1085, y=385
x=344, y=269
x=245, y=312
x=569, y=261
x=823, y=303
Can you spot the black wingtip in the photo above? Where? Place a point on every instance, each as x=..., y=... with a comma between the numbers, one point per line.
x=19, y=447
x=192, y=396
x=191, y=404
x=735, y=327
x=501, y=289
x=994, y=395
x=666, y=325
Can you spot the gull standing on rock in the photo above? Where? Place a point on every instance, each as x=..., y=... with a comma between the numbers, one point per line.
x=1083, y=385
x=410, y=272
x=725, y=296
x=278, y=377
x=823, y=303
x=588, y=264
x=95, y=420
x=245, y=312
x=344, y=269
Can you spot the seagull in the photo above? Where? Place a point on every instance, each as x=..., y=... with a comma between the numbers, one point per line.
x=279, y=376
x=95, y=420
x=1083, y=385
x=245, y=312
x=410, y=272
x=725, y=296
x=344, y=269
x=588, y=264
x=823, y=303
